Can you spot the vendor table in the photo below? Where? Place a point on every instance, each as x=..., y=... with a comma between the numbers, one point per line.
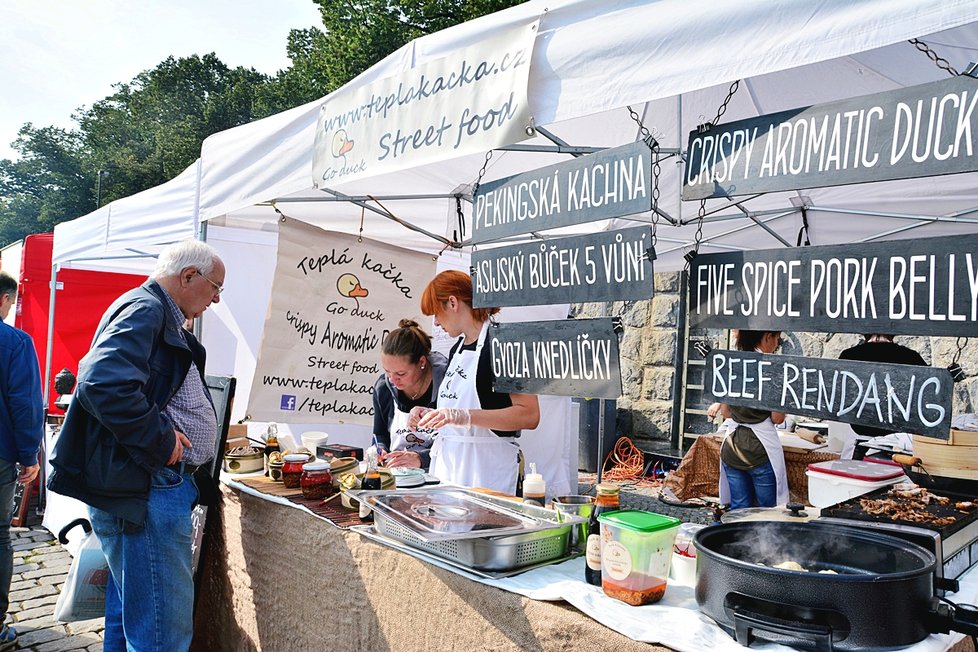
x=699, y=472
x=278, y=578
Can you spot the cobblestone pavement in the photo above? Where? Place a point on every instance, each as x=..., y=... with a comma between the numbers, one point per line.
x=40, y=567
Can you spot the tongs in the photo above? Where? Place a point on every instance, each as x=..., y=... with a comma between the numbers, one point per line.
x=908, y=462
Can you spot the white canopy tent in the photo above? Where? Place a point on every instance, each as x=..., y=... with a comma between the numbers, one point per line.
x=672, y=61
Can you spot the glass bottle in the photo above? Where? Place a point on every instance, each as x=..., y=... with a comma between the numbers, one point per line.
x=371, y=480
x=271, y=442
x=606, y=501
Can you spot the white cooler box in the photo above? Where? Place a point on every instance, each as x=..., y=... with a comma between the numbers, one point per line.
x=835, y=481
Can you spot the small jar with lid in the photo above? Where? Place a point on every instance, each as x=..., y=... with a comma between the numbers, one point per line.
x=292, y=469
x=316, y=481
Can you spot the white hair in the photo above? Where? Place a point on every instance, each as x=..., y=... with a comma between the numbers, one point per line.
x=184, y=254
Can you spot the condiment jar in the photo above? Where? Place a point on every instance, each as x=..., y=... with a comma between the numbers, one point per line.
x=316, y=481
x=341, y=466
x=292, y=469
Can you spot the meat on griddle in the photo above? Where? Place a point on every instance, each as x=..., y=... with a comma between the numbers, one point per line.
x=909, y=502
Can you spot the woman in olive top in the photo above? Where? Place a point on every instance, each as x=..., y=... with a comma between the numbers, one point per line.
x=752, y=468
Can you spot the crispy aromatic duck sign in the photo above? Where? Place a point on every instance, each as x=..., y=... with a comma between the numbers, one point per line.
x=920, y=131
x=334, y=298
x=577, y=357
x=901, y=398
x=608, y=266
x=925, y=286
x=611, y=183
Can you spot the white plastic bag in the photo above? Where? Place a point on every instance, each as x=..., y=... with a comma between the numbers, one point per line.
x=83, y=594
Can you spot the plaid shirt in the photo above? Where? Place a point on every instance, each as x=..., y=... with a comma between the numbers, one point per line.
x=191, y=411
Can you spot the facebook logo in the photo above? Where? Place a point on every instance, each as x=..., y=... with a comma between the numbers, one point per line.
x=287, y=403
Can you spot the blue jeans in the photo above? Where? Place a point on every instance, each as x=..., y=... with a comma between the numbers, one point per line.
x=8, y=483
x=149, y=595
x=755, y=488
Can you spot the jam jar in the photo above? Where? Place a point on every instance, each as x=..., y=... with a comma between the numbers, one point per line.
x=316, y=480
x=292, y=469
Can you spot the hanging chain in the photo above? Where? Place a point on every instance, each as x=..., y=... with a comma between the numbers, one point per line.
x=701, y=214
x=649, y=139
x=734, y=87
x=941, y=62
x=482, y=173
x=961, y=342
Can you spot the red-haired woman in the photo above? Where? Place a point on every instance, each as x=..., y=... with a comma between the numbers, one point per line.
x=478, y=427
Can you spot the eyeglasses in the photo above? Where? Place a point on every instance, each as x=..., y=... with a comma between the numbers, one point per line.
x=217, y=288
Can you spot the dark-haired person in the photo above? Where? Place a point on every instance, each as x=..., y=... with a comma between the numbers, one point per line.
x=879, y=347
x=752, y=468
x=412, y=373
x=21, y=429
x=478, y=428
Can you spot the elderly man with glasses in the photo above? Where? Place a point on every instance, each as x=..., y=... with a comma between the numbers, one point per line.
x=140, y=424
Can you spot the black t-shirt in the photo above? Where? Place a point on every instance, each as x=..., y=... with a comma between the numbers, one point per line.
x=490, y=400
x=890, y=352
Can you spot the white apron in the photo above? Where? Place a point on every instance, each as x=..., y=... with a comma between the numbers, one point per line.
x=403, y=438
x=474, y=456
x=768, y=435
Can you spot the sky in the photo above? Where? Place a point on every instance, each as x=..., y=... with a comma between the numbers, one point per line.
x=59, y=55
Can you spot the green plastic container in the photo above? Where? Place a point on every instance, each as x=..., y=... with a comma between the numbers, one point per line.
x=636, y=549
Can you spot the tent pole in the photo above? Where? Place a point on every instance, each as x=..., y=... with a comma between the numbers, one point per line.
x=47, y=381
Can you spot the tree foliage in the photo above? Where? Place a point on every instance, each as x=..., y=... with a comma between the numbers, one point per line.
x=151, y=127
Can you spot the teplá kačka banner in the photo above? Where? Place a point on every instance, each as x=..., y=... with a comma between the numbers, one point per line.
x=471, y=101
x=334, y=299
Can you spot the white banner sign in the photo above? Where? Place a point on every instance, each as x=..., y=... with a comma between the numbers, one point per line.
x=470, y=102
x=333, y=301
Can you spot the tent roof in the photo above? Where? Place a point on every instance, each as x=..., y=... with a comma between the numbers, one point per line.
x=673, y=62
x=122, y=235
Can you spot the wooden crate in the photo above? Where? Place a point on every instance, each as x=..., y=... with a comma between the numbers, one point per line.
x=955, y=457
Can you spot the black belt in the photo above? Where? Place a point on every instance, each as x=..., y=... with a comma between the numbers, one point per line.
x=183, y=467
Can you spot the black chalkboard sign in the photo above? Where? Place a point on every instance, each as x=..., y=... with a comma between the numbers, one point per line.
x=611, y=183
x=896, y=397
x=920, y=131
x=607, y=266
x=924, y=286
x=221, y=389
x=575, y=357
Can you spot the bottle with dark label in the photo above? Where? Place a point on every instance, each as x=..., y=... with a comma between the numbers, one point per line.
x=606, y=501
x=271, y=443
x=371, y=480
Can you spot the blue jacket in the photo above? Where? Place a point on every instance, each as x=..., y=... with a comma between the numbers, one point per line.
x=21, y=403
x=115, y=434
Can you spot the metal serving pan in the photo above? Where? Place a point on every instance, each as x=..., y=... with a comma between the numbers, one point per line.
x=478, y=532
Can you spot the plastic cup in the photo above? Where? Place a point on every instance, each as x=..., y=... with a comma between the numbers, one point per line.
x=636, y=549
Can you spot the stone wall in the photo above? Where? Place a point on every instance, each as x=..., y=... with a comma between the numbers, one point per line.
x=648, y=352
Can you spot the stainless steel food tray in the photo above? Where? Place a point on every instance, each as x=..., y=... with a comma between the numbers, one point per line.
x=542, y=540
x=371, y=533
x=453, y=513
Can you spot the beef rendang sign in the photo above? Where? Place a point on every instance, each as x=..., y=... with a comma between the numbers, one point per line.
x=901, y=398
x=925, y=286
x=920, y=131
x=611, y=183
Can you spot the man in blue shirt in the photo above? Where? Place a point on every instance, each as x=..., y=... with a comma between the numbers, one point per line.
x=21, y=430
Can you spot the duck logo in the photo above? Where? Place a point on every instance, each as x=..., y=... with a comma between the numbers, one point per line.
x=348, y=285
x=340, y=145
